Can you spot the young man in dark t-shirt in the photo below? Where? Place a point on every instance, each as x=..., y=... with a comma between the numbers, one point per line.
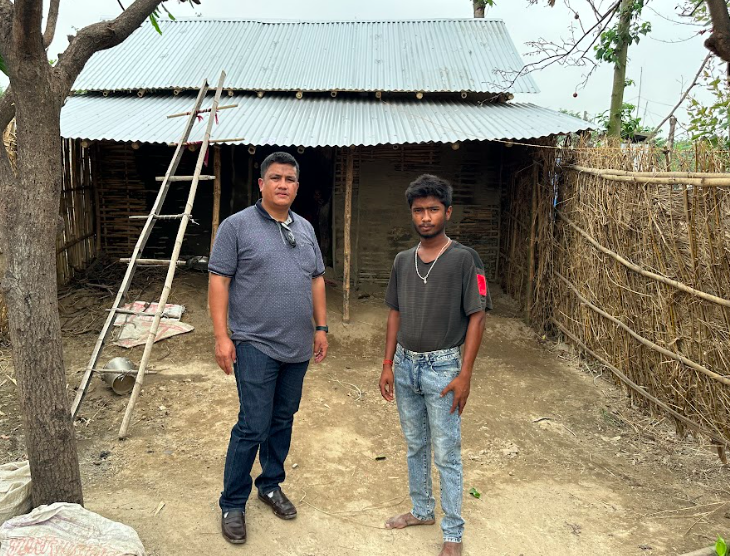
x=437, y=296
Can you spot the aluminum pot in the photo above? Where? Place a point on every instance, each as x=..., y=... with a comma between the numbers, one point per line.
x=121, y=382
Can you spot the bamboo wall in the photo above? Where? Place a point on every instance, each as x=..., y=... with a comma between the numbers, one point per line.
x=381, y=222
x=637, y=275
x=76, y=245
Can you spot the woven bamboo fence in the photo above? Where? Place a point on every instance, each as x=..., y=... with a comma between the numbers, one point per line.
x=633, y=267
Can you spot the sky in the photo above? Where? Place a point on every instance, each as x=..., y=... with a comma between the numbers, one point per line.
x=661, y=65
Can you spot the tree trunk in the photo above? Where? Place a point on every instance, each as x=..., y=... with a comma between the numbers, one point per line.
x=719, y=40
x=478, y=8
x=619, y=70
x=29, y=215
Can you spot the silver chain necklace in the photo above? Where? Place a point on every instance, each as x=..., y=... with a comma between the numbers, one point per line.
x=433, y=264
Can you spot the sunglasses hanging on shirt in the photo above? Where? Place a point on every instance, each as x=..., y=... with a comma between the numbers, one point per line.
x=287, y=234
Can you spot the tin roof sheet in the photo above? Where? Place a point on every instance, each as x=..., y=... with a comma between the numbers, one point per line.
x=452, y=55
x=314, y=121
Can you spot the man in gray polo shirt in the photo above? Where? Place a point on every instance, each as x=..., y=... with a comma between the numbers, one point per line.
x=267, y=286
x=437, y=295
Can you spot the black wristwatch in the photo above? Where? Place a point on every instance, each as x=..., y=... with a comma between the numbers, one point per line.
x=323, y=328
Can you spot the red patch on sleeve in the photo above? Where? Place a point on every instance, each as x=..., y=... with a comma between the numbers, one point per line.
x=482, y=281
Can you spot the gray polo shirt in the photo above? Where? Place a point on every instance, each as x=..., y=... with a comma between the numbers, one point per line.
x=270, y=296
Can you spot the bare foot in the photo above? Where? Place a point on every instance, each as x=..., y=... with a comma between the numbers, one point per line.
x=451, y=549
x=406, y=520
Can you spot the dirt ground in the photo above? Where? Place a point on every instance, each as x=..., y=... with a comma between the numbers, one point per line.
x=564, y=465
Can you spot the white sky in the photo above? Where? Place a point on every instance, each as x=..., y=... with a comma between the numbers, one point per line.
x=662, y=65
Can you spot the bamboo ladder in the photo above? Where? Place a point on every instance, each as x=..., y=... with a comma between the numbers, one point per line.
x=172, y=264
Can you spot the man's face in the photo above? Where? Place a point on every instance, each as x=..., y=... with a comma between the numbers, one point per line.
x=279, y=185
x=429, y=216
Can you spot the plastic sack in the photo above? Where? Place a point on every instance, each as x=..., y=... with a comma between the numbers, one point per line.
x=14, y=489
x=63, y=529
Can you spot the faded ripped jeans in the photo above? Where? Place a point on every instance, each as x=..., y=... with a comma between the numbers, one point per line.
x=425, y=419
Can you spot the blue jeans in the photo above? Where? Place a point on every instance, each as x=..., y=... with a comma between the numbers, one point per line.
x=425, y=419
x=269, y=392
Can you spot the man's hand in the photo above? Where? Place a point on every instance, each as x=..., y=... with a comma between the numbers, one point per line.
x=387, y=383
x=225, y=354
x=320, y=346
x=460, y=387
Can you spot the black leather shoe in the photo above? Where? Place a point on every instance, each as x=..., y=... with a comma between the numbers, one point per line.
x=278, y=502
x=233, y=526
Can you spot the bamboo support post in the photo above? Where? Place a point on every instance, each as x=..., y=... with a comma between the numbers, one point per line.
x=216, y=194
x=346, y=243
x=530, y=287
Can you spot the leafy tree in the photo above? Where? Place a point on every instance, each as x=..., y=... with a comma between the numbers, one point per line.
x=631, y=124
x=29, y=206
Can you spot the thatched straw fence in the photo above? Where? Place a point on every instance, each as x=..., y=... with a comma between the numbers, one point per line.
x=626, y=254
x=76, y=243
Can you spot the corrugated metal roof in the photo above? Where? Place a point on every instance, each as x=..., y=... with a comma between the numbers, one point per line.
x=312, y=122
x=432, y=56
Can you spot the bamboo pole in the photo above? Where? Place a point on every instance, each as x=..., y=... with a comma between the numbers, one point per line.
x=639, y=389
x=216, y=194
x=648, y=343
x=529, y=289
x=636, y=268
x=346, y=243
x=603, y=172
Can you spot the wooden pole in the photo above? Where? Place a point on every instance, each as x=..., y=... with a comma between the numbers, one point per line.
x=531, y=248
x=346, y=244
x=216, y=194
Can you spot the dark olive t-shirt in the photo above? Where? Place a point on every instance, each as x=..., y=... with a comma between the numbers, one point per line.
x=435, y=315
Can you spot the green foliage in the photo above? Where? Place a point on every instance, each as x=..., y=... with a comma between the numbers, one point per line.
x=475, y=493
x=721, y=547
x=710, y=121
x=155, y=16
x=611, y=40
x=631, y=125
x=3, y=67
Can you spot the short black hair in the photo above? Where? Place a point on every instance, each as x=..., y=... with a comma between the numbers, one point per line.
x=279, y=157
x=428, y=185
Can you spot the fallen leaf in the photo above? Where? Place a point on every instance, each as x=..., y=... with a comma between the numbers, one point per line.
x=475, y=493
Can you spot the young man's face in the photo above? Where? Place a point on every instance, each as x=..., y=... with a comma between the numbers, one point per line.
x=429, y=216
x=279, y=185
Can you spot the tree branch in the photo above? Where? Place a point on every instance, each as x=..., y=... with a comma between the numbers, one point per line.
x=101, y=36
x=6, y=24
x=26, y=33
x=681, y=99
x=719, y=41
x=51, y=21
x=601, y=24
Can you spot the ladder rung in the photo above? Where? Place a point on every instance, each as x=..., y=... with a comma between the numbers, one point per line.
x=184, y=178
x=159, y=216
x=128, y=312
x=153, y=262
x=123, y=371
